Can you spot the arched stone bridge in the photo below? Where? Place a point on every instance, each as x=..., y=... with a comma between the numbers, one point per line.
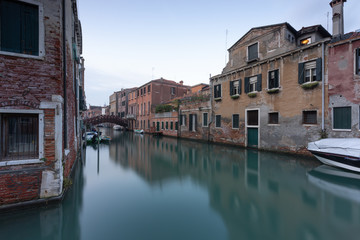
x=106, y=119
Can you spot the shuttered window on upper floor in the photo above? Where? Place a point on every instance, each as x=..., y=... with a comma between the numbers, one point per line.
x=19, y=27
x=253, y=84
x=253, y=52
x=310, y=71
x=235, y=87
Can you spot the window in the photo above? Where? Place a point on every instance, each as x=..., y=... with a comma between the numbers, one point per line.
x=273, y=79
x=192, y=122
x=235, y=87
x=149, y=108
x=253, y=52
x=167, y=125
x=172, y=91
x=141, y=91
x=171, y=125
x=357, y=61
x=149, y=88
x=217, y=91
x=235, y=121
x=342, y=118
x=309, y=117
x=253, y=84
x=218, y=121
x=274, y=118
x=310, y=71
x=205, y=119
x=176, y=126
x=144, y=90
x=19, y=27
x=19, y=136
x=252, y=118
x=305, y=41
x=162, y=125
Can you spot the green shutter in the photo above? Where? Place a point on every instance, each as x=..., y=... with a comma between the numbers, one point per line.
x=231, y=88
x=357, y=61
x=342, y=118
x=258, y=83
x=30, y=29
x=10, y=26
x=318, y=69
x=195, y=123
x=239, y=86
x=276, y=84
x=190, y=122
x=247, y=85
x=301, y=73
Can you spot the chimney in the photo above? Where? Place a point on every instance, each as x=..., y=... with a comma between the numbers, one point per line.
x=181, y=82
x=338, y=17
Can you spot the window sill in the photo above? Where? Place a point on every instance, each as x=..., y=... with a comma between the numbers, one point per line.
x=252, y=94
x=252, y=60
x=273, y=90
x=39, y=57
x=309, y=85
x=217, y=99
x=342, y=130
x=20, y=162
x=273, y=124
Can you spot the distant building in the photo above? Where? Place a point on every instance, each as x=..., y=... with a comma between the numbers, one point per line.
x=144, y=99
x=42, y=96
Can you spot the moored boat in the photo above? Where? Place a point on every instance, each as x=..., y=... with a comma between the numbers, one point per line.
x=140, y=131
x=117, y=127
x=337, y=152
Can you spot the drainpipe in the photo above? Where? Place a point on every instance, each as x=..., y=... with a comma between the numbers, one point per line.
x=211, y=108
x=64, y=71
x=323, y=86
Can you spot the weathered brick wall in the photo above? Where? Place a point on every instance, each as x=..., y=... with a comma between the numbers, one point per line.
x=19, y=185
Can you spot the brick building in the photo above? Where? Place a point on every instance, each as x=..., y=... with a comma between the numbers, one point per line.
x=343, y=78
x=269, y=94
x=41, y=84
x=144, y=99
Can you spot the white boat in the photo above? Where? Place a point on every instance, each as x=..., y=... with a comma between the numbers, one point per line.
x=139, y=131
x=338, y=152
x=117, y=127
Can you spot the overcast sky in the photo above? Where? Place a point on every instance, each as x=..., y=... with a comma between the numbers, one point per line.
x=127, y=43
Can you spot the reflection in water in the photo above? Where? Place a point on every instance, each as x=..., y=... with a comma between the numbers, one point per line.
x=143, y=187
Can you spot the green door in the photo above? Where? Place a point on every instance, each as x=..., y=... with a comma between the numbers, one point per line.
x=252, y=137
x=157, y=126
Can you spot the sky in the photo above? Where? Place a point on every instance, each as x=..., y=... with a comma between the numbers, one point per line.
x=127, y=43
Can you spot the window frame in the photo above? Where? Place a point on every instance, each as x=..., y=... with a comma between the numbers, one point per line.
x=217, y=91
x=216, y=121
x=278, y=78
x=271, y=123
x=41, y=139
x=303, y=117
x=248, y=52
x=357, y=61
x=333, y=119
x=41, y=32
x=203, y=119
x=238, y=121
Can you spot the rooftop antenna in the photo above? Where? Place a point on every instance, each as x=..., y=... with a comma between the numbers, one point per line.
x=327, y=23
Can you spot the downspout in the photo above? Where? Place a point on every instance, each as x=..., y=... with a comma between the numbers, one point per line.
x=211, y=108
x=64, y=71
x=323, y=87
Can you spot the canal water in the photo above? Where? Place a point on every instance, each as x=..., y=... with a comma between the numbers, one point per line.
x=143, y=187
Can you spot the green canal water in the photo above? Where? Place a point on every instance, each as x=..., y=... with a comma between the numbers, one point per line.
x=143, y=187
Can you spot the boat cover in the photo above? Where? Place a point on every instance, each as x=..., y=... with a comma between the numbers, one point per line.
x=341, y=146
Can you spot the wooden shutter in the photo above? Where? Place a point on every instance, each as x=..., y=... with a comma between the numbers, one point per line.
x=259, y=83
x=247, y=86
x=195, y=122
x=239, y=86
x=357, y=61
x=276, y=84
x=301, y=73
x=190, y=122
x=231, y=88
x=318, y=69
x=10, y=26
